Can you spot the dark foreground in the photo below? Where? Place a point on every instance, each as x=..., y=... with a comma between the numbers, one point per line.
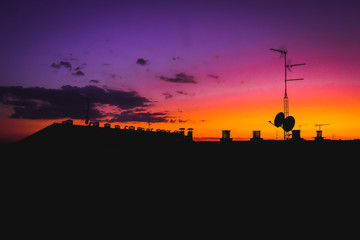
x=238, y=167
x=185, y=156
x=269, y=188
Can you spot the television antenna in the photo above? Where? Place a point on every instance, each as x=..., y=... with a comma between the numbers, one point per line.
x=149, y=119
x=300, y=125
x=320, y=125
x=319, y=132
x=286, y=99
x=87, y=112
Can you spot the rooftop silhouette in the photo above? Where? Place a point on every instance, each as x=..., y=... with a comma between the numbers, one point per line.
x=68, y=134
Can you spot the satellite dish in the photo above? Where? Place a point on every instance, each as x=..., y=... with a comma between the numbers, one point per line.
x=289, y=123
x=279, y=119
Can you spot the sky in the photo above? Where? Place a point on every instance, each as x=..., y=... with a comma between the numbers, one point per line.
x=205, y=65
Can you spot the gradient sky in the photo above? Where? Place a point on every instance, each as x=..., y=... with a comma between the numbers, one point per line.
x=200, y=64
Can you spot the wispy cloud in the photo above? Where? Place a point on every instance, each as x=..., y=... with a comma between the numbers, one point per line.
x=142, y=62
x=62, y=64
x=179, y=78
x=213, y=76
x=177, y=58
x=68, y=65
x=78, y=73
x=167, y=95
x=180, y=92
x=94, y=81
x=136, y=116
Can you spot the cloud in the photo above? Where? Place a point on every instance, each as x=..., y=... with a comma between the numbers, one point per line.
x=182, y=120
x=216, y=77
x=78, y=73
x=185, y=93
x=94, y=81
x=213, y=76
x=167, y=95
x=62, y=64
x=54, y=65
x=135, y=116
x=68, y=101
x=179, y=120
x=179, y=78
x=177, y=58
x=114, y=76
x=68, y=66
x=142, y=62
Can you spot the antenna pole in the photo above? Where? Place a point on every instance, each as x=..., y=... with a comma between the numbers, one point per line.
x=149, y=121
x=87, y=112
x=286, y=99
x=285, y=78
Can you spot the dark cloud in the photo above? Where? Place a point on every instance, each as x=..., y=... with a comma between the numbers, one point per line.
x=68, y=66
x=135, y=116
x=94, y=81
x=216, y=78
x=78, y=73
x=67, y=102
x=177, y=58
x=65, y=64
x=54, y=65
x=142, y=62
x=179, y=78
x=213, y=76
x=183, y=121
x=115, y=76
x=167, y=95
x=184, y=93
x=178, y=120
x=62, y=64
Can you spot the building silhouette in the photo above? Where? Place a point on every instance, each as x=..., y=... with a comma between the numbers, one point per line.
x=319, y=136
x=68, y=134
x=256, y=136
x=295, y=135
x=226, y=136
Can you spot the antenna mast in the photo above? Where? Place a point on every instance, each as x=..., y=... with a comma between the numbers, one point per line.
x=149, y=119
x=286, y=99
x=320, y=125
x=87, y=112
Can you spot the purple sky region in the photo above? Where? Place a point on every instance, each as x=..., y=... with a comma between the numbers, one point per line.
x=166, y=50
x=104, y=39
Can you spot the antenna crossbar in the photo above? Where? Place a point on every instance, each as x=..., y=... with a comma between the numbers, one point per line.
x=277, y=50
x=320, y=125
x=295, y=79
x=294, y=65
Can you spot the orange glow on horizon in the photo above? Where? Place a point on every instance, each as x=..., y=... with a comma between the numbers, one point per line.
x=242, y=112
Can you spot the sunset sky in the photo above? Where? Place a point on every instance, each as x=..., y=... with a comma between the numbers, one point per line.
x=199, y=64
